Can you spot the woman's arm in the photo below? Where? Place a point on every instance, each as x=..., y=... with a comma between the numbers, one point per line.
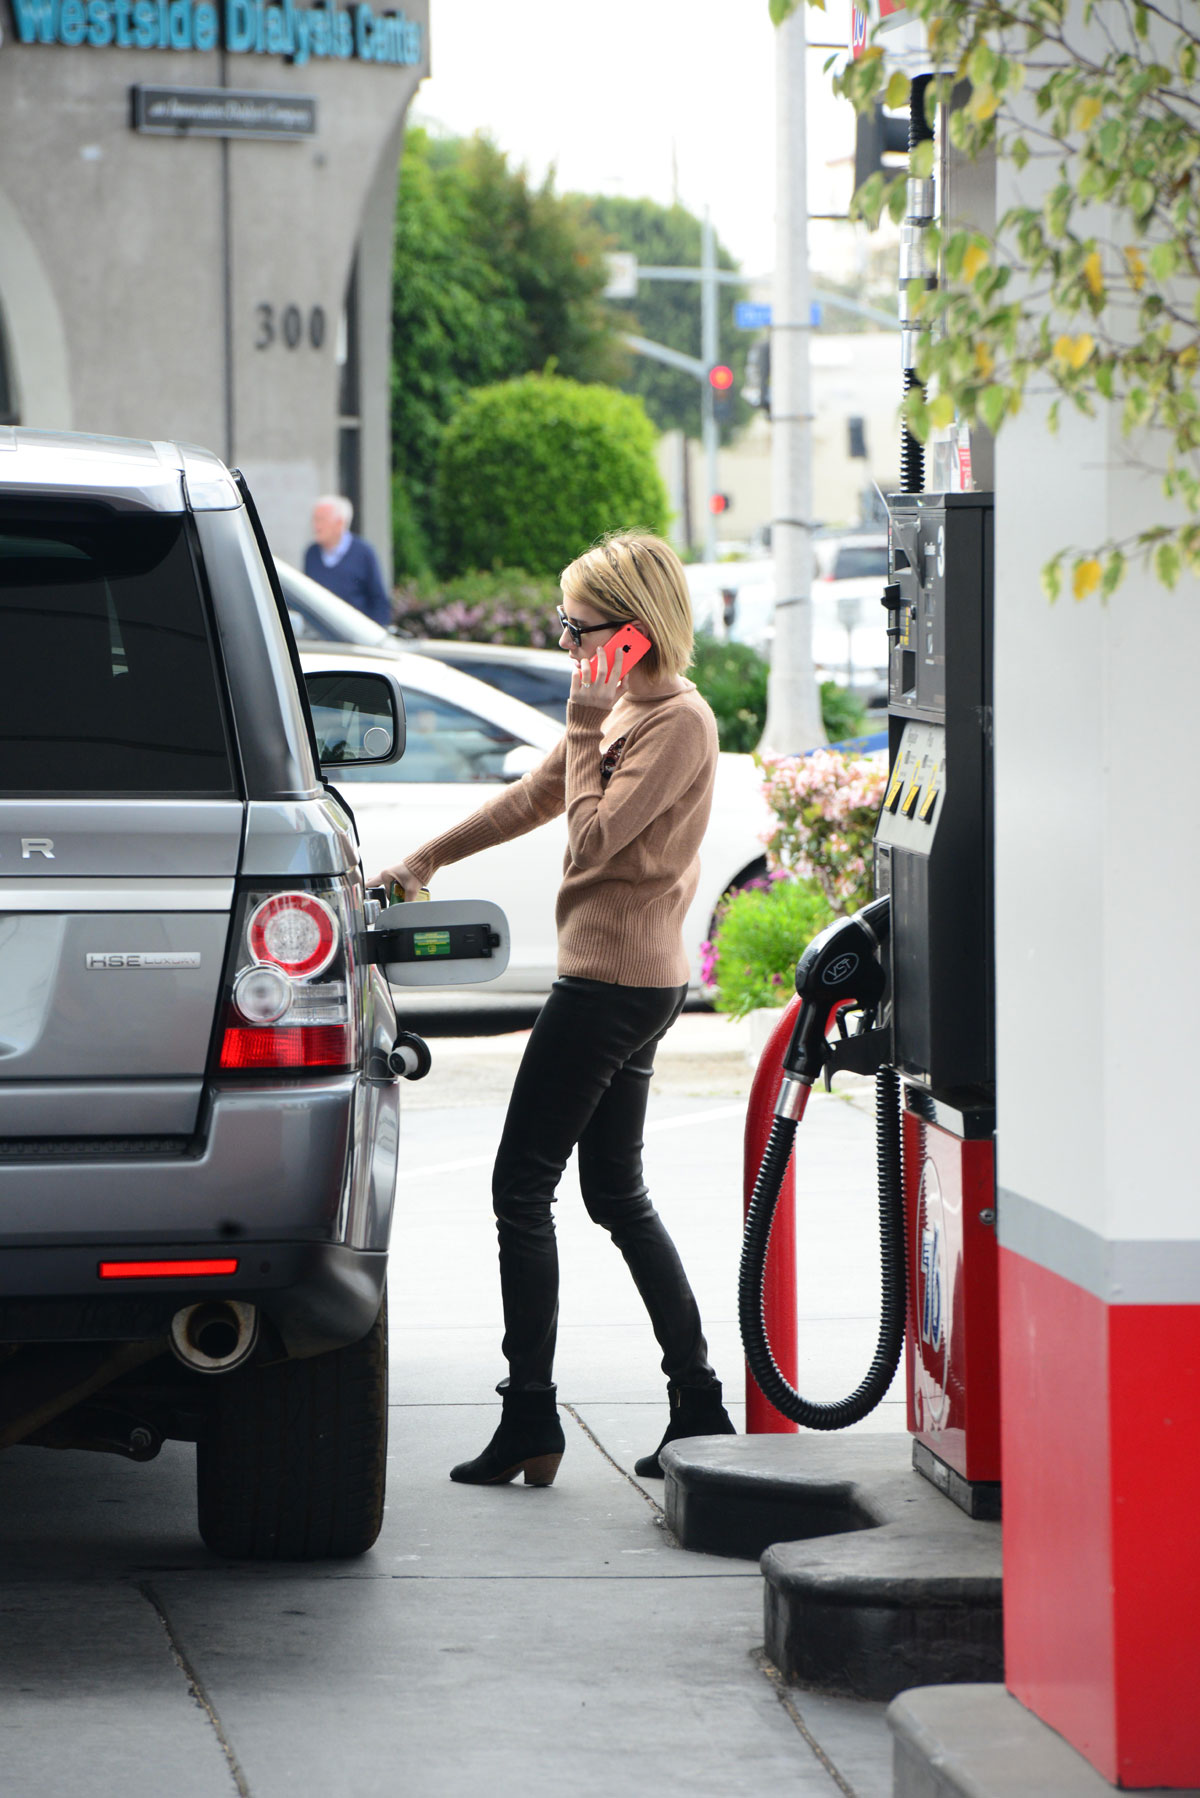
x=534, y=800
x=663, y=757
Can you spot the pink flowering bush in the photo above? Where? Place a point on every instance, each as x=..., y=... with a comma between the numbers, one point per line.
x=825, y=807
x=502, y=605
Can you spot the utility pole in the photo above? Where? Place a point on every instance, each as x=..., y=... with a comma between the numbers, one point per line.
x=624, y=274
x=793, y=702
x=709, y=340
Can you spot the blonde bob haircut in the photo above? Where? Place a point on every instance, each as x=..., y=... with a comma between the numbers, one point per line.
x=634, y=578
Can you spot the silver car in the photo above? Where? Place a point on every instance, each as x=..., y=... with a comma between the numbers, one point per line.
x=198, y=1046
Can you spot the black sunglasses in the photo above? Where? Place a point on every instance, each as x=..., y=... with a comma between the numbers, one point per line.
x=578, y=632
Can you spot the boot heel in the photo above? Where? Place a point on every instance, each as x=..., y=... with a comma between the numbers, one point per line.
x=541, y=1469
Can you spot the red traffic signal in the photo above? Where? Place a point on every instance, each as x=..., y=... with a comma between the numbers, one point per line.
x=718, y=502
x=720, y=377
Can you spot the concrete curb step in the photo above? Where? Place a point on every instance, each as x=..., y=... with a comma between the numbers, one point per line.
x=874, y=1582
x=979, y=1742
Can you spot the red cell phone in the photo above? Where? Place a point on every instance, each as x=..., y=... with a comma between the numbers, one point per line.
x=629, y=638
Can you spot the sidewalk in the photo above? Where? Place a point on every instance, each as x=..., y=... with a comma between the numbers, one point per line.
x=656, y=1652
x=508, y=1641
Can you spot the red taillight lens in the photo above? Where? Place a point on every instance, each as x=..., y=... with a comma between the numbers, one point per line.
x=163, y=1270
x=292, y=1002
x=287, y=1046
x=296, y=931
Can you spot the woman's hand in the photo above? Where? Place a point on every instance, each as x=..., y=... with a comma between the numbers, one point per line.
x=599, y=695
x=402, y=875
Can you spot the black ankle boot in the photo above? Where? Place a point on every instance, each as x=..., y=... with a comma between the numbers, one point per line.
x=529, y=1440
x=695, y=1411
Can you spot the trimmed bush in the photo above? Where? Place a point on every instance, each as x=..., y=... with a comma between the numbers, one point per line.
x=760, y=935
x=533, y=471
x=842, y=712
x=733, y=679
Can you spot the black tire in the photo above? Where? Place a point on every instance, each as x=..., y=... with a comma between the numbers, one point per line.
x=294, y=1464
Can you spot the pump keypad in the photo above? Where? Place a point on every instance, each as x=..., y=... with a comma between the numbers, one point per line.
x=915, y=789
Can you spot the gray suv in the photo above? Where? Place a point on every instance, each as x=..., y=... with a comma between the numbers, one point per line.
x=198, y=1047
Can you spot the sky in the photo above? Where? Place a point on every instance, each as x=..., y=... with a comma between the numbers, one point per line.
x=642, y=98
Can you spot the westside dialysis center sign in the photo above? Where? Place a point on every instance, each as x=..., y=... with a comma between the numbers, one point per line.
x=244, y=27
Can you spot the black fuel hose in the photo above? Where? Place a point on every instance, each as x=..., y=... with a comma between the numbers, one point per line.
x=839, y=1414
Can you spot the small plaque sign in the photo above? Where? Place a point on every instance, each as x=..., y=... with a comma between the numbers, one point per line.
x=222, y=112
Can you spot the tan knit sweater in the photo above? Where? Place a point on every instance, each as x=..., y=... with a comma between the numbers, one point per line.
x=633, y=838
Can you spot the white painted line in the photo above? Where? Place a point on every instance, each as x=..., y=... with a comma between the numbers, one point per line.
x=692, y=1117
x=697, y=1117
x=447, y=1167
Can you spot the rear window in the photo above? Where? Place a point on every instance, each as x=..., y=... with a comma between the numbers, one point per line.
x=108, y=684
x=860, y=562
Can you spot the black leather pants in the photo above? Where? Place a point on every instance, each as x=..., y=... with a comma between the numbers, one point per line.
x=585, y=1079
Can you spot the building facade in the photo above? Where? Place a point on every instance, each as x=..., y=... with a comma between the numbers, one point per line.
x=196, y=214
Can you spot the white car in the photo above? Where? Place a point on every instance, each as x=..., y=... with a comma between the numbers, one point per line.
x=540, y=677
x=317, y=615
x=466, y=740
x=850, y=642
x=735, y=601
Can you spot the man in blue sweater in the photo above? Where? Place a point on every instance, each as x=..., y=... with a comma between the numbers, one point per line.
x=346, y=564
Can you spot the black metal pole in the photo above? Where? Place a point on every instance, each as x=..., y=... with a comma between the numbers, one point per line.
x=912, y=451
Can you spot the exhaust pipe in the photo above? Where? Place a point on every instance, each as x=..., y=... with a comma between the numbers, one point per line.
x=214, y=1336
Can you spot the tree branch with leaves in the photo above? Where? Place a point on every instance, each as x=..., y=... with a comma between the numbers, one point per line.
x=1091, y=294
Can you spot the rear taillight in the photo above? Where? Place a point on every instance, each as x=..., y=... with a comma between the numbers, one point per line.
x=296, y=932
x=290, y=983
x=295, y=1046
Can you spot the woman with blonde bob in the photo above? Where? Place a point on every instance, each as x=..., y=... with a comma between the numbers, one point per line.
x=634, y=774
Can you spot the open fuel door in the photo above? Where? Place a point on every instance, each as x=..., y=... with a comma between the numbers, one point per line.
x=439, y=942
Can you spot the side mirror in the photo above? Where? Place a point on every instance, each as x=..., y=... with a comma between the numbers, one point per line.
x=521, y=760
x=358, y=717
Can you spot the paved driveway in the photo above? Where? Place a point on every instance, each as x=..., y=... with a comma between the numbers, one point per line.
x=501, y=1641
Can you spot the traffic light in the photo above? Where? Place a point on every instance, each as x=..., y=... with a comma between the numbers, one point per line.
x=719, y=502
x=878, y=134
x=720, y=380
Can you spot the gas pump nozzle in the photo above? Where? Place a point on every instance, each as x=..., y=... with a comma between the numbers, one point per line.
x=845, y=968
x=842, y=969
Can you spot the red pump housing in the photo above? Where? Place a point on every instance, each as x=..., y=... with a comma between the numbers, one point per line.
x=952, y=1338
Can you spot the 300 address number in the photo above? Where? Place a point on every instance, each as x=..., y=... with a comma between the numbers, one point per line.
x=287, y=325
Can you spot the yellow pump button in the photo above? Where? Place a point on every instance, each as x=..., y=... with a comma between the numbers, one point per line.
x=927, y=803
x=889, y=803
x=910, y=799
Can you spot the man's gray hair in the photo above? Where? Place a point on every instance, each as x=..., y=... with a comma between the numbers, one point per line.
x=340, y=504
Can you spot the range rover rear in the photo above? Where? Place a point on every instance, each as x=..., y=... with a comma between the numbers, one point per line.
x=198, y=1118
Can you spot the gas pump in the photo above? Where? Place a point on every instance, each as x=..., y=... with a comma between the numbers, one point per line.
x=906, y=988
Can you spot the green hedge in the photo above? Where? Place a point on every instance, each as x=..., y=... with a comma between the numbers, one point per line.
x=533, y=471
x=759, y=940
x=733, y=679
